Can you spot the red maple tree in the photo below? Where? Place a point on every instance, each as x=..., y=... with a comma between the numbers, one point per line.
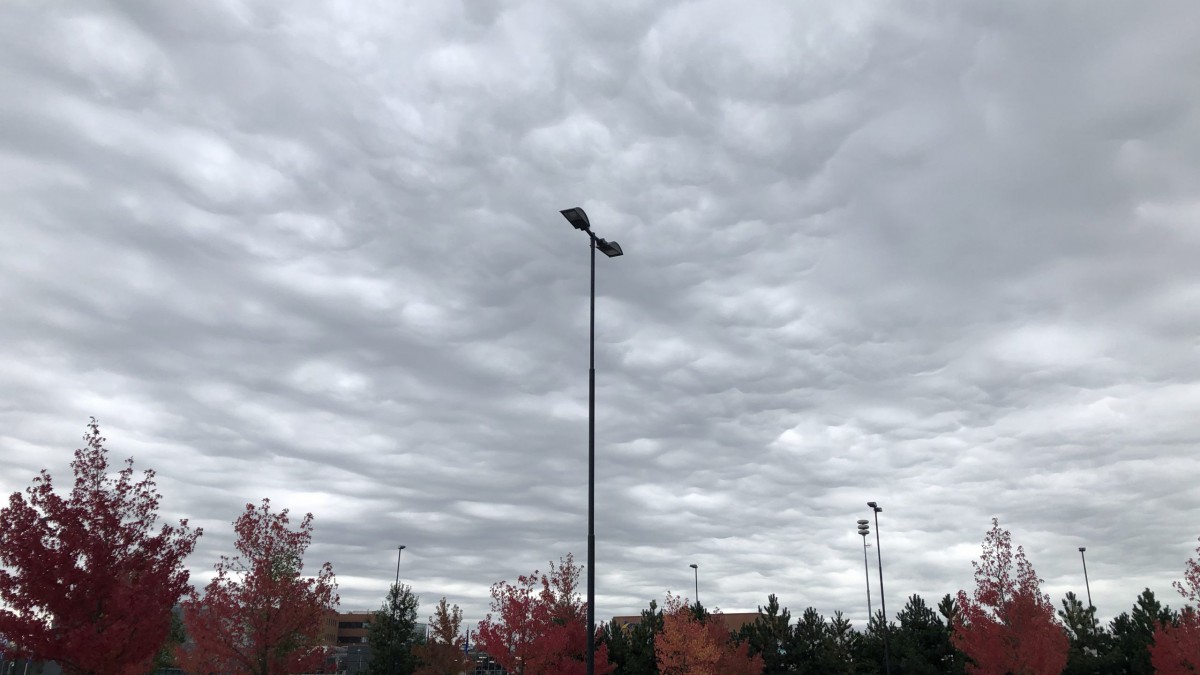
x=1176, y=647
x=259, y=614
x=689, y=645
x=531, y=632
x=444, y=653
x=1008, y=626
x=86, y=582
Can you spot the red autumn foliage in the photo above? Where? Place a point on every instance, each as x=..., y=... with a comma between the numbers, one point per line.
x=1176, y=647
x=86, y=582
x=1009, y=625
x=531, y=632
x=444, y=652
x=260, y=615
x=689, y=646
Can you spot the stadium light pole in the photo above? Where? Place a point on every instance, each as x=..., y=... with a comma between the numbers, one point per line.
x=1082, y=557
x=864, y=528
x=696, y=571
x=887, y=660
x=579, y=220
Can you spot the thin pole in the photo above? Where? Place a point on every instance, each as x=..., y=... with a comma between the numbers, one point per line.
x=398, y=551
x=591, y=541
x=1085, y=575
x=887, y=660
x=696, y=569
x=867, y=572
x=396, y=591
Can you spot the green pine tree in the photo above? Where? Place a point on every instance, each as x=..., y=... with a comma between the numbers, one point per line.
x=1133, y=633
x=768, y=636
x=631, y=648
x=921, y=644
x=393, y=633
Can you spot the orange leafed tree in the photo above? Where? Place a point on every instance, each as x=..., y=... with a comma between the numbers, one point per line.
x=532, y=632
x=1176, y=647
x=260, y=615
x=86, y=582
x=1008, y=625
x=691, y=646
x=444, y=653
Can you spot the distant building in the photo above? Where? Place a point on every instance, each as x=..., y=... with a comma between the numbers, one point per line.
x=348, y=633
x=352, y=627
x=483, y=664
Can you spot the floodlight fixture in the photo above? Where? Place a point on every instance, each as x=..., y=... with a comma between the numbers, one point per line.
x=578, y=218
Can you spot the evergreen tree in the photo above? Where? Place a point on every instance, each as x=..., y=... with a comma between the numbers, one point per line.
x=1133, y=633
x=813, y=648
x=768, y=636
x=956, y=661
x=393, y=633
x=631, y=647
x=1090, y=645
x=842, y=640
x=921, y=645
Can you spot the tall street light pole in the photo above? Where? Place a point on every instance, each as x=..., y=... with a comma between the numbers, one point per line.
x=1085, y=576
x=579, y=220
x=696, y=570
x=864, y=528
x=399, y=550
x=395, y=597
x=887, y=659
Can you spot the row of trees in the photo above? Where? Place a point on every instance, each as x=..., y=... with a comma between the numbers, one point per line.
x=91, y=579
x=1006, y=626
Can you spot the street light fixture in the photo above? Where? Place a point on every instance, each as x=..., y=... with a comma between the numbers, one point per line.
x=864, y=528
x=1085, y=576
x=579, y=220
x=887, y=659
x=696, y=570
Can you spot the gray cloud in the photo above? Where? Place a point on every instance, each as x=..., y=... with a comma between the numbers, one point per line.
x=940, y=257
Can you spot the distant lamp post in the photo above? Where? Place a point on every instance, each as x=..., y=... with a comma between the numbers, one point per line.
x=696, y=571
x=887, y=659
x=396, y=599
x=1082, y=557
x=579, y=220
x=399, y=550
x=864, y=528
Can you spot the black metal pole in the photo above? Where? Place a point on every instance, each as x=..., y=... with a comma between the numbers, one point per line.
x=887, y=660
x=399, y=549
x=1085, y=575
x=867, y=573
x=591, y=540
x=395, y=599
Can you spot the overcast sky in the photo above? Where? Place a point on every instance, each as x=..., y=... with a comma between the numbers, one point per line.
x=938, y=255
